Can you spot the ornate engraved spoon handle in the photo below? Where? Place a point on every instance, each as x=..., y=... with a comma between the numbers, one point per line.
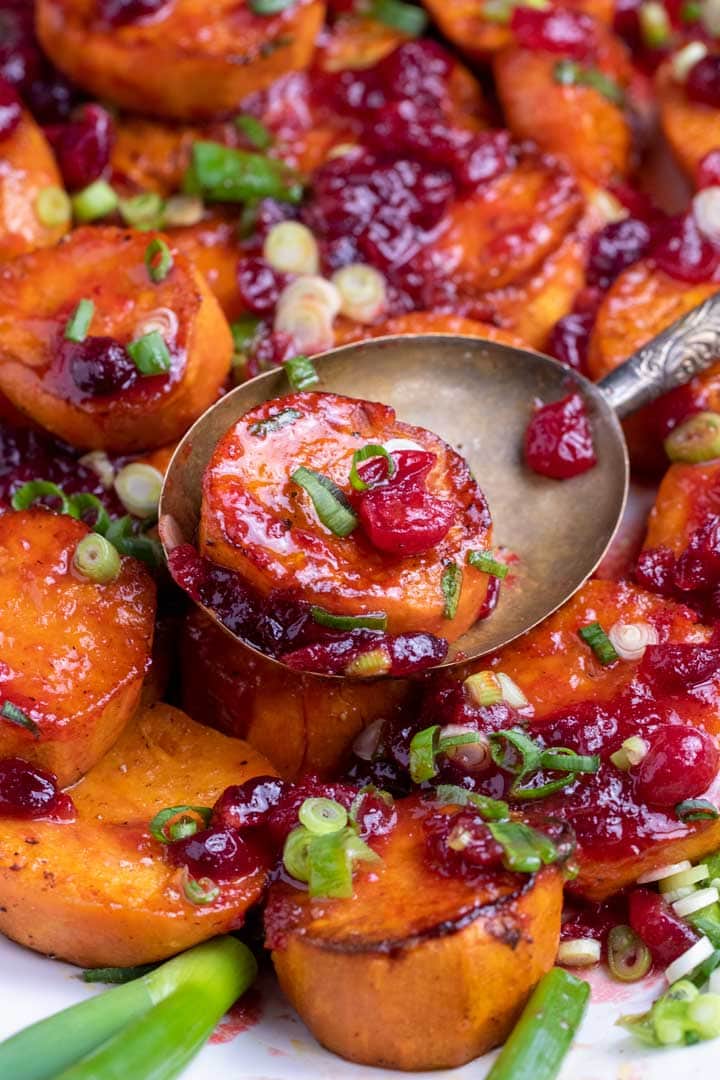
x=686, y=348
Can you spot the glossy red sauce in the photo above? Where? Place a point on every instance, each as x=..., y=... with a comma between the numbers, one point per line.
x=564, y=32
x=703, y=81
x=692, y=577
x=244, y=1014
x=30, y=792
x=665, y=935
x=398, y=513
x=558, y=440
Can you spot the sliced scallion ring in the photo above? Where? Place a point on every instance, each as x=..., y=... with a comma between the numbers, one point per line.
x=86, y=502
x=483, y=560
x=526, y=849
x=629, y=958
x=79, y=322
x=296, y=853
x=177, y=822
x=331, y=506
x=96, y=559
x=451, y=585
x=372, y=450
x=199, y=891
x=301, y=373
x=374, y=620
x=95, y=201
x=695, y=439
x=158, y=260
x=53, y=207
x=560, y=759
x=34, y=490
x=515, y=752
x=19, y=717
x=491, y=809
x=254, y=131
x=143, y=211
x=150, y=354
x=320, y=816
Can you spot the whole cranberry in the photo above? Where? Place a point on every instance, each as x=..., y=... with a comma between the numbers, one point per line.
x=400, y=515
x=259, y=285
x=673, y=668
x=703, y=81
x=684, y=253
x=655, y=570
x=681, y=763
x=10, y=109
x=614, y=248
x=698, y=567
x=120, y=12
x=558, y=440
x=83, y=145
x=20, y=56
x=570, y=339
x=51, y=96
x=284, y=623
x=246, y=805
x=99, y=366
x=458, y=844
x=27, y=791
x=417, y=71
x=482, y=159
x=220, y=854
x=557, y=30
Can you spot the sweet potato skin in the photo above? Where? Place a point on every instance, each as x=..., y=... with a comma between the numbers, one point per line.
x=416, y=971
x=249, y=499
x=39, y=292
x=300, y=722
x=74, y=653
x=180, y=64
x=27, y=166
x=98, y=891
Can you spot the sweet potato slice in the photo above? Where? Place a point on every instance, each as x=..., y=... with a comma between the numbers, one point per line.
x=27, y=167
x=38, y=294
x=424, y=322
x=298, y=721
x=416, y=971
x=257, y=521
x=619, y=838
x=687, y=495
x=692, y=129
x=213, y=248
x=188, y=62
x=98, y=891
x=73, y=653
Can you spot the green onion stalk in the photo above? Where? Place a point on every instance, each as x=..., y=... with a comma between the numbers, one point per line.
x=147, y=1029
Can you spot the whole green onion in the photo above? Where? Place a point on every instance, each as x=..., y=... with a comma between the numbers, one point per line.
x=19, y=717
x=301, y=373
x=542, y=1036
x=374, y=620
x=150, y=354
x=95, y=201
x=158, y=260
x=150, y=1027
x=79, y=322
x=372, y=450
x=330, y=504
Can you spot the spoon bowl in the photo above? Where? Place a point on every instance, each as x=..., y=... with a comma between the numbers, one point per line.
x=478, y=396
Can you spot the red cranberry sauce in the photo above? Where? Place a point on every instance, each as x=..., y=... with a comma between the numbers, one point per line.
x=684, y=253
x=281, y=625
x=703, y=81
x=82, y=145
x=99, y=366
x=665, y=935
x=556, y=30
x=47, y=93
x=570, y=339
x=708, y=171
x=692, y=577
x=614, y=248
x=219, y=854
x=10, y=109
x=558, y=440
x=29, y=792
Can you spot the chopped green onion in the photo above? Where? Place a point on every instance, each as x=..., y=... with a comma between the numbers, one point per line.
x=407, y=18
x=331, y=506
x=301, y=373
x=681, y=1017
x=374, y=620
x=517, y=753
x=542, y=1036
x=521, y=747
x=95, y=201
x=451, y=585
x=330, y=866
x=594, y=636
x=571, y=73
x=121, y=535
x=372, y=450
x=369, y=664
x=150, y=354
x=269, y=7
x=492, y=809
x=158, y=260
x=320, y=816
x=29, y=493
x=296, y=853
x=151, y=1026
x=244, y=331
x=696, y=810
x=254, y=131
x=655, y=27
x=358, y=850
x=53, y=207
x=369, y=789
x=183, y=211
x=17, y=716
x=138, y=487
x=526, y=850
x=144, y=211
x=696, y=439
x=178, y=822
x=691, y=11
x=484, y=688
x=483, y=560
x=449, y=742
x=96, y=559
x=84, y=502
x=199, y=891
x=560, y=759
x=223, y=174
x=79, y=322
x=423, y=751
x=116, y=976
x=261, y=428
x=629, y=958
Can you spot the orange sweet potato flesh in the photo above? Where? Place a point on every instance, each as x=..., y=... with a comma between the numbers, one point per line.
x=555, y=670
x=213, y=248
x=416, y=971
x=576, y=122
x=191, y=61
x=98, y=891
x=690, y=128
x=260, y=523
x=38, y=294
x=302, y=723
x=74, y=653
x=28, y=167
x=687, y=495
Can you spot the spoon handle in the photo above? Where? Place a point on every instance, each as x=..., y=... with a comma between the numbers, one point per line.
x=689, y=346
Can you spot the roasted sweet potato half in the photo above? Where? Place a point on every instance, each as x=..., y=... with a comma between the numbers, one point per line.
x=641, y=302
x=416, y=970
x=28, y=168
x=623, y=829
x=109, y=404
x=98, y=891
x=258, y=521
x=186, y=62
x=74, y=653
x=298, y=721
x=692, y=129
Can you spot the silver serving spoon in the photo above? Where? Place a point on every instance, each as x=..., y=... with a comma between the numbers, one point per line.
x=479, y=396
